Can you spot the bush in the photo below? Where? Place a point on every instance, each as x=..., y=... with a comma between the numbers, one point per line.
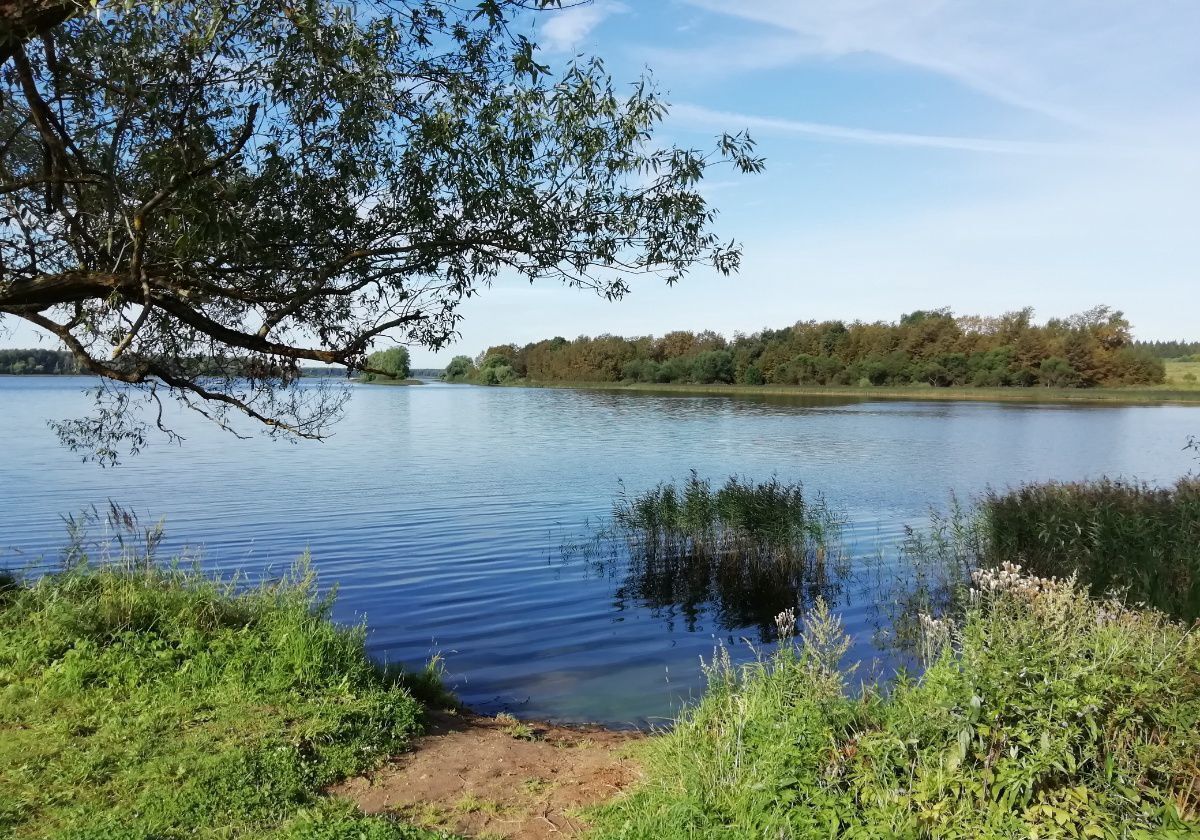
x=1045, y=715
x=713, y=366
x=753, y=375
x=1057, y=372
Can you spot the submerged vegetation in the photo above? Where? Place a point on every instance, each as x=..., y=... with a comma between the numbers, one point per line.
x=1041, y=714
x=930, y=348
x=143, y=701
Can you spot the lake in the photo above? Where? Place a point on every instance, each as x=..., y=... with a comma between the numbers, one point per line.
x=441, y=511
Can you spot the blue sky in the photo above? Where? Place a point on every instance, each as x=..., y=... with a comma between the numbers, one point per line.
x=980, y=155
x=975, y=154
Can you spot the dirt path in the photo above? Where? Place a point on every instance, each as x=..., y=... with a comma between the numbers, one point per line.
x=496, y=777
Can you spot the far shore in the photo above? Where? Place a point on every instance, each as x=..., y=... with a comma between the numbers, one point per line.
x=379, y=380
x=1131, y=396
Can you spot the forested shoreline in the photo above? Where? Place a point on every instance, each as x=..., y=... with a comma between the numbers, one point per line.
x=935, y=348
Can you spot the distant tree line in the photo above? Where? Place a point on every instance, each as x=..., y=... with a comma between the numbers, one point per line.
x=19, y=362
x=935, y=348
x=62, y=362
x=1187, y=351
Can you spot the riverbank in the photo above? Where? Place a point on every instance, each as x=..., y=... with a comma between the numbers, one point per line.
x=382, y=380
x=1123, y=396
x=141, y=701
x=146, y=702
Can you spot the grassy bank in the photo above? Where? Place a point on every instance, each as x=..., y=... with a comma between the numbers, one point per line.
x=1043, y=714
x=1146, y=395
x=141, y=702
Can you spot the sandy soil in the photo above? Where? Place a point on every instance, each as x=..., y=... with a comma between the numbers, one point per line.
x=489, y=777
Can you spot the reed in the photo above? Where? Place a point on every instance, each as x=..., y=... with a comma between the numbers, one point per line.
x=1121, y=536
x=744, y=551
x=767, y=521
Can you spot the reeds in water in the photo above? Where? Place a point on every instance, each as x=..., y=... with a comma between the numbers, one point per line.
x=745, y=550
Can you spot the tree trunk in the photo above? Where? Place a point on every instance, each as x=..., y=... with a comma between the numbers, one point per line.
x=21, y=20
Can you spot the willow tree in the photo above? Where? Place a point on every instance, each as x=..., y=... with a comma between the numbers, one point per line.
x=275, y=182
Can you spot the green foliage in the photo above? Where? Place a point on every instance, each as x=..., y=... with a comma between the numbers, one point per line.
x=281, y=183
x=1056, y=372
x=460, y=369
x=1141, y=540
x=39, y=361
x=392, y=363
x=925, y=348
x=139, y=701
x=1046, y=715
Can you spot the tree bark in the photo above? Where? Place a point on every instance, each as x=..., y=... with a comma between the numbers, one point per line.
x=22, y=20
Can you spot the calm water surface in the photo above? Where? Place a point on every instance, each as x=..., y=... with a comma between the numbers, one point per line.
x=440, y=511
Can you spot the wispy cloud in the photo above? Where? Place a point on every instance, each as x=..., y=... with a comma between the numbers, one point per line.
x=1084, y=63
x=699, y=116
x=566, y=30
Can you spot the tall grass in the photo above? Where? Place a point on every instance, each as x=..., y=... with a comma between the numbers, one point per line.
x=1042, y=714
x=141, y=700
x=765, y=521
x=744, y=550
x=1121, y=535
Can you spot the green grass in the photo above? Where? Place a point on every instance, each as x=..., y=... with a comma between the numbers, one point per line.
x=145, y=702
x=1043, y=714
x=1171, y=392
x=1184, y=375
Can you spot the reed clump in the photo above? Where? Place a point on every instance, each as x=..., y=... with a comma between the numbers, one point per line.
x=743, y=551
x=1121, y=536
x=768, y=521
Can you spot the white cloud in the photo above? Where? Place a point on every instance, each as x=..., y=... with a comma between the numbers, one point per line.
x=1085, y=63
x=566, y=30
x=698, y=115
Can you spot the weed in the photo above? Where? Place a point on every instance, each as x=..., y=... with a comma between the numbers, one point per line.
x=516, y=729
x=1041, y=713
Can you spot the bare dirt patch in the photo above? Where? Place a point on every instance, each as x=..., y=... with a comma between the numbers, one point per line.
x=496, y=777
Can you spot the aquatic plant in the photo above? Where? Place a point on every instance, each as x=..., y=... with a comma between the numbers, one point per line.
x=1042, y=713
x=745, y=551
x=764, y=521
x=1122, y=536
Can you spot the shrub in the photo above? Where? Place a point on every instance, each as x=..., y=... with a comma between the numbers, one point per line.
x=1057, y=372
x=753, y=375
